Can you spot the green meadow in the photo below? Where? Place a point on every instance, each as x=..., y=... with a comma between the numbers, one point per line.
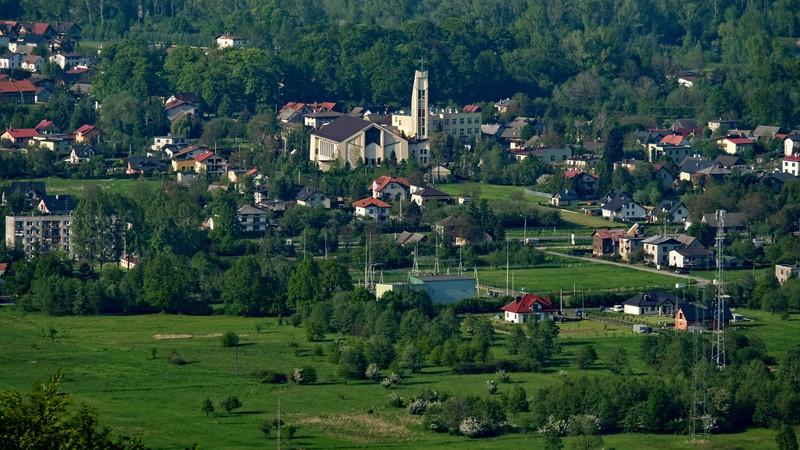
x=108, y=364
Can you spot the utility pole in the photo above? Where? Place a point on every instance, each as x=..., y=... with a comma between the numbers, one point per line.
x=718, y=347
x=279, y=423
x=507, y=291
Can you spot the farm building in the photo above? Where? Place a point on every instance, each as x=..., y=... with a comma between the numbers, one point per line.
x=442, y=289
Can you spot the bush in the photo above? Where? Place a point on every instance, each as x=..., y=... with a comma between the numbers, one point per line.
x=230, y=339
x=352, y=363
x=503, y=376
x=230, y=403
x=373, y=372
x=176, y=359
x=270, y=377
x=304, y=375
x=491, y=386
x=417, y=407
x=295, y=320
x=391, y=380
x=472, y=427
x=395, y=401
x=586, y=356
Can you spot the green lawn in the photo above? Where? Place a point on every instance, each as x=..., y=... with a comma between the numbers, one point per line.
x=78, y=187
x=106, y=363
x=581, y=276
x=517, y=193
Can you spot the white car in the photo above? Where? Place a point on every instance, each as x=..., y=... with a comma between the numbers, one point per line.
x=617, y=308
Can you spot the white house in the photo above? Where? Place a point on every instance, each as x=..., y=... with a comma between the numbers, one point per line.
x=656, y=248
x=426, y=195
x=529, y=308
x=32, y=63
x=229, y=40
x=393, y=189
x=651, y=303
x=159, y=142
x=791, y=144
x=791, y=165
x=622, y=207
x=673, y=210
x=68, y=60
x=372, y=208
x=691, y=258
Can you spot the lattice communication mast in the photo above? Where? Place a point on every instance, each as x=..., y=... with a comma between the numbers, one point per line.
x=718, y=347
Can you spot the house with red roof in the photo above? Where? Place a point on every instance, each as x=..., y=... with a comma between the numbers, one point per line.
x=372, y=208
x=472, y=109
x=21, y=92
x=581, y=183
x=675, y=139
x=735, y=145
x=791, y=165
x=210, y=164
x=86, y=134
x=393, y=189
x=19, y=136
x=529, y=308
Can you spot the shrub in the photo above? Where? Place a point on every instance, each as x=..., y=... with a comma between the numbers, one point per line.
x=295, y=320
x=207, y=407
x=491, y=386
x=266, y=428
x=270, y=377
x=503, y=376
x=395, y=401
x=586, y=356
x=230, y=339
x=472, y=427
x=373, y=372
x=352, y=363
x=176, y=359
x=304, y=375
x=417, y=407
x=391, y=380
x=230, y=403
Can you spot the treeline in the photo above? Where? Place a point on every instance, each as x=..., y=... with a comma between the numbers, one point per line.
x=576, y=59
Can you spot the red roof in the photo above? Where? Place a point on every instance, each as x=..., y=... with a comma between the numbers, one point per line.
x=370, y=201
x=472, y=108
x=611, y=234
x=86, y=128
x=572, y=173
x=204, y=156
x=793, y=158
x=524, y=304
x=43, y=124
x=384, y=181
x=22, y=133
x=3, y=76
x=40, y=28
x=12, y=86
x=739, y=141
x=673, y=139
x=294, y=106
x=251, y=171
x=3, y=267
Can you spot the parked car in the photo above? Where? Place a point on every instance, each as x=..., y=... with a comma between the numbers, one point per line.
x=617, y=308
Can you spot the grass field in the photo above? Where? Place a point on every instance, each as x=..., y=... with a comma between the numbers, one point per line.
x=517, y=193
x=107, y=364
x=78, y=187
x=582, y=276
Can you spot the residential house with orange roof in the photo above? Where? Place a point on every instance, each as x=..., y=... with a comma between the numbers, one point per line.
x=393, y=189
x=372, y=208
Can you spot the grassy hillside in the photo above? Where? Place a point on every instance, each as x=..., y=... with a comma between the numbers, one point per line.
x=517, y=193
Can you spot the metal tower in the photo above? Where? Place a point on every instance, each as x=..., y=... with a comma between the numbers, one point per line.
x=718, y=347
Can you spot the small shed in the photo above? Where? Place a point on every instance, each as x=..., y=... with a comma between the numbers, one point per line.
x=644, y=329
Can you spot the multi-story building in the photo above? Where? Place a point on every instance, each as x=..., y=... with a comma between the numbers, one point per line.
x=791, y=165
x=784, y=272
x=252, y=219
x=353, y=141
x=460, y=123
x=39, y=233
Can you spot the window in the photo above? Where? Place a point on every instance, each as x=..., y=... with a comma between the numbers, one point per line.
x=461, y=121
x=469, y=120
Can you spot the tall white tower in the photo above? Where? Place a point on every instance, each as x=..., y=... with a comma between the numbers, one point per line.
x=419, y=104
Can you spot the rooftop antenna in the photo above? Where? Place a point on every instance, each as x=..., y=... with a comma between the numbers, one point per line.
x=718, y=347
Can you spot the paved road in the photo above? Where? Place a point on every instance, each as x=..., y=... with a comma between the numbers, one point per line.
x=700, y=281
